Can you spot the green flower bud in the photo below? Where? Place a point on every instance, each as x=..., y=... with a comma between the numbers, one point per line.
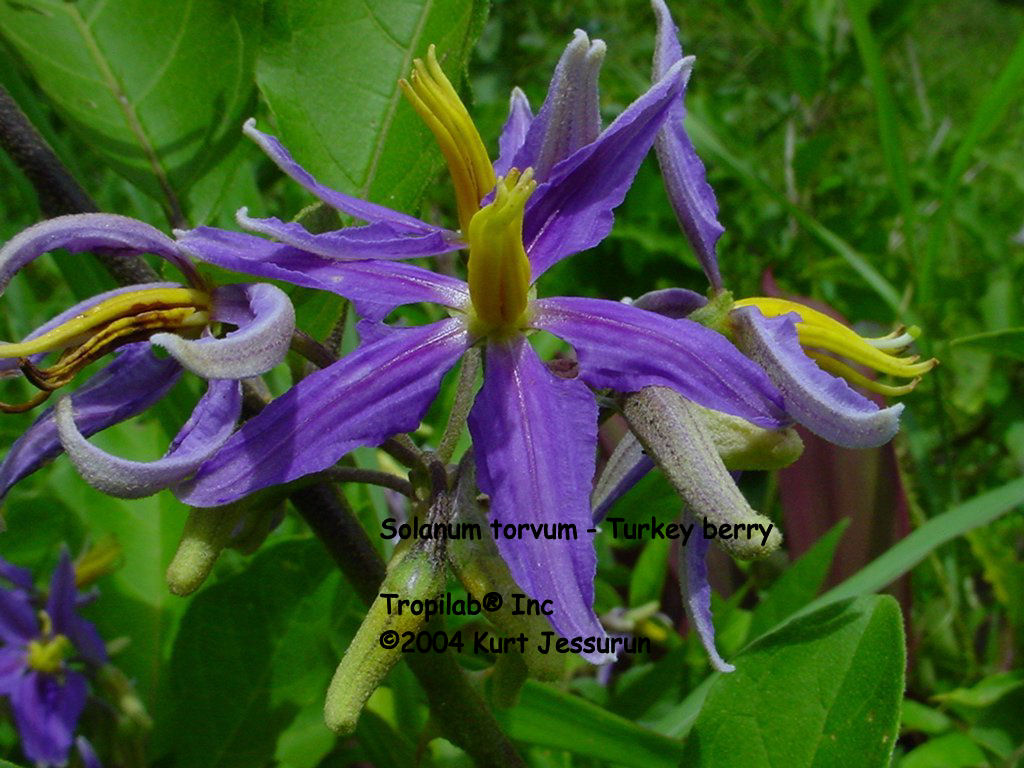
x=413, y=574
x=674, y=434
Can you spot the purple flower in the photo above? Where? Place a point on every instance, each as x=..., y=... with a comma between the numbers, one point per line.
x=534, y=432
x=42, y=659
x=179, y=318
x=798, y=347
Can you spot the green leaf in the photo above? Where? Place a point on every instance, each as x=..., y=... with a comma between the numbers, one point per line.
x=904, y=555
x=1008, y=342
x=823, y=690
x=985, y=692
x=254, y=652
x=548, y=717
x=648, y=577
x=916, y=717
x=798, y=584
x=954, y=750
x=329, y=70
x=159, y=89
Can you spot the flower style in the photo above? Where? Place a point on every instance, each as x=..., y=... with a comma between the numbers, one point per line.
x=179, y=318
x=534, y=433
x=42, y=657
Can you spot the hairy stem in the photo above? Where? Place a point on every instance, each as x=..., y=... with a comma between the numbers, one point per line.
x=460, y=408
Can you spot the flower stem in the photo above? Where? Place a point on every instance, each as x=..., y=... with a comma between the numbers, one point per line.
x=460, y=408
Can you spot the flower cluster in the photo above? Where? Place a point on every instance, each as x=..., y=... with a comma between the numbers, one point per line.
x=550, y=193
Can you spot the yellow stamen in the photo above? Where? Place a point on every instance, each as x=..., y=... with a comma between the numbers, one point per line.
x=435, y=99
x=499, y=271
x=841, y=369
x=818, y=331
x=122, y=319
x=48, y=652
x=80, y=327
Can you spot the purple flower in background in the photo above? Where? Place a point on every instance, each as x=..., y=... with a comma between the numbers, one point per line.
x=798, y=347
x=534, y=433
x=44, y=655
x=177, y=317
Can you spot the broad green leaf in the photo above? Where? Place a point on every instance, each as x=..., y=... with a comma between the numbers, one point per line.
x=1008, y=342
x=798, y=584
x=548, y=717
x=329, y=70
x=159, y=89
x=254, y=653
x=822, y=691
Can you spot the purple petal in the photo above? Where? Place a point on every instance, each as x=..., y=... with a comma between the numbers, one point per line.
x=46, y=712
x=374, y=241
x=12, y=664
x=535, y=436
x=671, y=302
x=18, y=622
x=87, y=753
x=696, y=591
x=513, y=134
x=87, y=232
x=625, y=468
x=11, y=363
x=62, y=604
x=16, y=575
x=265, y=320
x=681, y=168
x=374, y=287
x=572, y=210
x=129, y=385
x=206, y=430
x=626, y=349
x=570, y=117
x=353, y=206
x=823, y=403
x=379, y=390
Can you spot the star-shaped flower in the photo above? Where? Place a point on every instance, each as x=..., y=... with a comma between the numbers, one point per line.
x=534, y=432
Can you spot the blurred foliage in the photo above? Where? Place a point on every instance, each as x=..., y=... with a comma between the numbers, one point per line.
x=846, y=143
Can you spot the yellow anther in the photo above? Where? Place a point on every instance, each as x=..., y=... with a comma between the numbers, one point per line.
x=80, y=327
x=818, y=331
x=47, y=655
x=128, y=317
x=47, y=652
x=435, y=99
x=499, y=270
